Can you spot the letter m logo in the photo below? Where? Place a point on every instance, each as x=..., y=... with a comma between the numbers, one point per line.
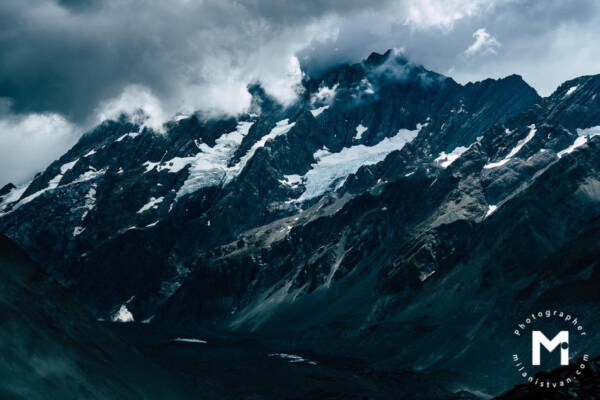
x=538, y=339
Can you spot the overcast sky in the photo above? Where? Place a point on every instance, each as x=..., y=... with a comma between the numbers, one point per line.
x=67, y=64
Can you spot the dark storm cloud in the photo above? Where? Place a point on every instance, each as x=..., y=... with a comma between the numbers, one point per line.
x=533, y=39
x=67, y=56
x=66, y=64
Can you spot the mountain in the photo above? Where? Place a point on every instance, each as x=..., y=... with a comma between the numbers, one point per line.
x=390, y=214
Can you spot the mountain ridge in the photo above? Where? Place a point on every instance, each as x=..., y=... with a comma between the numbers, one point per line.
x=348, y=214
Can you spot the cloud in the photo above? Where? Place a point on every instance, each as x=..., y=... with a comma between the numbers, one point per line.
x=484, y=43
x=83, y=60
x=30, y=142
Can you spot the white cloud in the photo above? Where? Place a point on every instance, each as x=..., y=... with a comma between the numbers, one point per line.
x=30, y=142
x=133, y=99
x=484, y=43
x=424, y=14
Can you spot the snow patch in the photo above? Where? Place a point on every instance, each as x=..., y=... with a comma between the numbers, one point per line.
x=360, y=129
x=444, y=160
x=172, y=166
x=589, y=132
x=317, y=111
x=515, y=150
x=189, y=340
x=579, y=141
x=132, y=135
x=291, y=180
x=570, y=91
x=89, y=201
x=426, y=275
x=490, y=211
x=293, y=358
x=584, y=136
x=148, y=320
x=152, y=203
x=123, y=315
x=179, y=116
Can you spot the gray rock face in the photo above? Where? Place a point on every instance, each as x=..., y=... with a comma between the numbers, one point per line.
x=388, y=205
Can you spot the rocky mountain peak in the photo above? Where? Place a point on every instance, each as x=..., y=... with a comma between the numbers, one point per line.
x=383, y=201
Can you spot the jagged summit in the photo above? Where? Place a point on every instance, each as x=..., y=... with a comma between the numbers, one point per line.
x=375, y=59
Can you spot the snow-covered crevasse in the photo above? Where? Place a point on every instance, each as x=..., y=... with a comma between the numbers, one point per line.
x=332, y=169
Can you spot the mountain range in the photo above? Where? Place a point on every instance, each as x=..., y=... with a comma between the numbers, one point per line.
x=391, y=224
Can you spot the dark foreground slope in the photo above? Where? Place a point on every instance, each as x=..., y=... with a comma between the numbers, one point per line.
x=52, y=348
